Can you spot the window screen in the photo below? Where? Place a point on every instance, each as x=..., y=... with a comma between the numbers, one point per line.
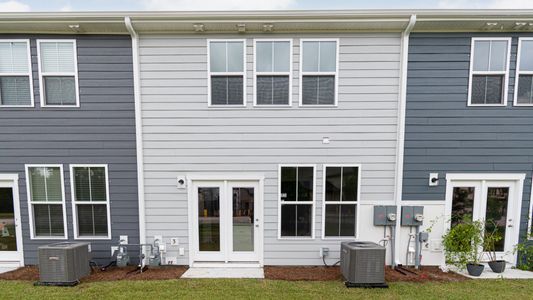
x=489, y=70
x=319, y=72
x=15, y=74
x=58, y=72
x=272, y=74
x=90, y=199
x=226, y=69
x=341, y=197
x=297, y=190
x=46, y=200
x=524, y=93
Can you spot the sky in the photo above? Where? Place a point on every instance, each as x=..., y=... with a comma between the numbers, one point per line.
x=138, y=5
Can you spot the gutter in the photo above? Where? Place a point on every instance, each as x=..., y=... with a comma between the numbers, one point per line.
x=138, y=127
x=402, y=93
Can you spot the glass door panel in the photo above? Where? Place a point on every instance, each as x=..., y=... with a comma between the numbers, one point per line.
x=496, y=213
x=209, y=219
x=462, y=204
x=8, y=235
x=243, y=219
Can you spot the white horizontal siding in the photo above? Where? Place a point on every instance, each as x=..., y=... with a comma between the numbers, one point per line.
x=182, y=135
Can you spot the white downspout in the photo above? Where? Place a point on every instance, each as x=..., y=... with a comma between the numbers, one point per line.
x=138, y=127
x=404, y=56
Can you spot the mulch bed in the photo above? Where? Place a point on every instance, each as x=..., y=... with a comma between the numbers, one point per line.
x=31, y=273
x=313, y=273
x=424, y=274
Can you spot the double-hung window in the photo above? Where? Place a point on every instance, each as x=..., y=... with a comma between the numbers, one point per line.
x=15, y=74
x=90, y=201
x=227, y=76
x=273, y=72
x=58, y=73
x=341, y=198
x=524, y=73
x=297, y=197
x=489, y=71
x=319, y=72
x=46, y=201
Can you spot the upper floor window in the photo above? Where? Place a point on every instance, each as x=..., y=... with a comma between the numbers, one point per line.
x=489, y=70
x=227, y=72
x=58, y=73
x=319, y=72
x=273, y=72
x=524, y=73
x=15, y=73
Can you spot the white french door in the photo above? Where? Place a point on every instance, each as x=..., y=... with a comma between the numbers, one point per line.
x=10, y=228
x=226, y=221
x=495, y=201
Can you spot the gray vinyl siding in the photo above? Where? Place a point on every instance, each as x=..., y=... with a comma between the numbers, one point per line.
x=181, y=135
x=100, y=131
x=444, y=135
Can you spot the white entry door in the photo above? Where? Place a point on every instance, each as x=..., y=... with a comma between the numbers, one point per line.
x=496, y=202
x=226, y=223
x=11, y=253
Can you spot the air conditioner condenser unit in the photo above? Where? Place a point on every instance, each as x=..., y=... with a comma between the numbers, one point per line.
x=63, y=263
x=363, y=264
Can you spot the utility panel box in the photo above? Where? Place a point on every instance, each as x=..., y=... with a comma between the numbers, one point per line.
x=384, y=215
x=412, y=215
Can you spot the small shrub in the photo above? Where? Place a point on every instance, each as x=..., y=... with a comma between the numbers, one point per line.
x=463, y=244
x=525, y=255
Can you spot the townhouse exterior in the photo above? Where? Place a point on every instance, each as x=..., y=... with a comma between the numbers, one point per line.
x=67, y=156
x=468, y=119
x=262, y=138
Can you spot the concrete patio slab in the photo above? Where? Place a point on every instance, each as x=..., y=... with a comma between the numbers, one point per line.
x=230, y=272
x=509, y=273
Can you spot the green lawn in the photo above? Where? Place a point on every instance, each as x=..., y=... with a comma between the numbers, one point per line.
x=267, y=289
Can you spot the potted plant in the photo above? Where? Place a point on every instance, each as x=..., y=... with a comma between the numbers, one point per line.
x=463, y=246
x=493, y=236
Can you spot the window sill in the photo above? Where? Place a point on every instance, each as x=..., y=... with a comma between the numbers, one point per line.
x=296, y=238
x=228, y=106
x=318, y=105
x=272, y=106
x=60, y=106
x=487, y=105
x=340, y=238
x=17, y=106
x=49, y=238
x=92, y=238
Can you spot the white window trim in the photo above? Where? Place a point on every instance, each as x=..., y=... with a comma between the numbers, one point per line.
x=302, y=73
x=209, y=74
x=41, y=74
x=30, y=203
x=518, y=72
x=505, y=73
x=256, y=73
x=30, y=72
x=357, y=203
x=313, y=203
x=75, y=203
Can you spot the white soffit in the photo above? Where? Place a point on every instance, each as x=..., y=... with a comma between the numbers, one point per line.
x=267, y=21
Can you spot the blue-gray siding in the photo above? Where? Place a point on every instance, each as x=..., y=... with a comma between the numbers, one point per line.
x=444, y=135
x=101, y=131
